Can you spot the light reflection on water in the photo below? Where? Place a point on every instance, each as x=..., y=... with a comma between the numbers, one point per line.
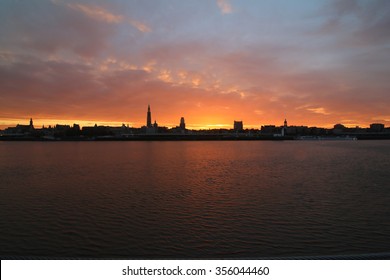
x=194, y=199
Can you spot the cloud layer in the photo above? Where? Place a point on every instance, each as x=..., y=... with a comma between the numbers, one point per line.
x=315, y=64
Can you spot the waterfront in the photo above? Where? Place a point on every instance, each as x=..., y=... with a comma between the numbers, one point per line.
x=194, y=199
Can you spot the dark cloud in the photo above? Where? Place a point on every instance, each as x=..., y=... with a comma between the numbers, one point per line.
x=47, y=27
x=356, y=22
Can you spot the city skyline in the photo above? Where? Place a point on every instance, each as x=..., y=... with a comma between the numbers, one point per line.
x=152, y=126
x=211, y=62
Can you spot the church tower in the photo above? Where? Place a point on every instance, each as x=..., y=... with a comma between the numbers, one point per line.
x=31, y=124
x=149, y=118
x=284, y=128
x=182, y=124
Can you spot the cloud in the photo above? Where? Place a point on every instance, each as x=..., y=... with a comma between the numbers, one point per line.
x=48, y=28
x=57, y=29
x=96, y=12
x=277, y=79
x=318, y=110
x=139, y=25
x=74, y=91
x=225, y=6
x=356, y=23
x=86, y=61
x=100, y=14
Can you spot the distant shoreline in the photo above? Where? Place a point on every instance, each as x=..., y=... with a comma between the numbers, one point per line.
x=168, y=137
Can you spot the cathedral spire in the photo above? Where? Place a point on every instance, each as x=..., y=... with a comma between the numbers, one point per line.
x=149, y=118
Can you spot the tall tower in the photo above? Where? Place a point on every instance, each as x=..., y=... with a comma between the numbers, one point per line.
x=149, y=118
x=284, y=128
x=182, y=124
x=31, y=124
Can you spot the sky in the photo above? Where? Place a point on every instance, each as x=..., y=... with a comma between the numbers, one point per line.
x=314, y=63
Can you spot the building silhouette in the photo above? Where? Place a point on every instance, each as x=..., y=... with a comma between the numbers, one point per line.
x=284, y=128
x=21, y=129
x=182, y=124
x=338, y=128
x=28, y=131
x=377, y=127
x=148, y=118
x=238, y=126
x=150, y=128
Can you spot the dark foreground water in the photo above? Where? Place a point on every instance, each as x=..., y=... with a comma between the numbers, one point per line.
x=194, y=199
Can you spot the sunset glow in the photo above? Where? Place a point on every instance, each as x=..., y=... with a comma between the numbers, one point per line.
x=316, y=63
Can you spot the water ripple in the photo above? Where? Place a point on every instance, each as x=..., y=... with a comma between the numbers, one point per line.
x=194, y=199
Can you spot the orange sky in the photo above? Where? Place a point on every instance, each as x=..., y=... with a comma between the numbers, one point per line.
x=87, y=62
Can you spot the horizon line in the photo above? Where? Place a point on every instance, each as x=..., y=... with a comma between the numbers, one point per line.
x=44, y=122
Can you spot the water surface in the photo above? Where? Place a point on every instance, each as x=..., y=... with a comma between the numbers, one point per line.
x=226, y=199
